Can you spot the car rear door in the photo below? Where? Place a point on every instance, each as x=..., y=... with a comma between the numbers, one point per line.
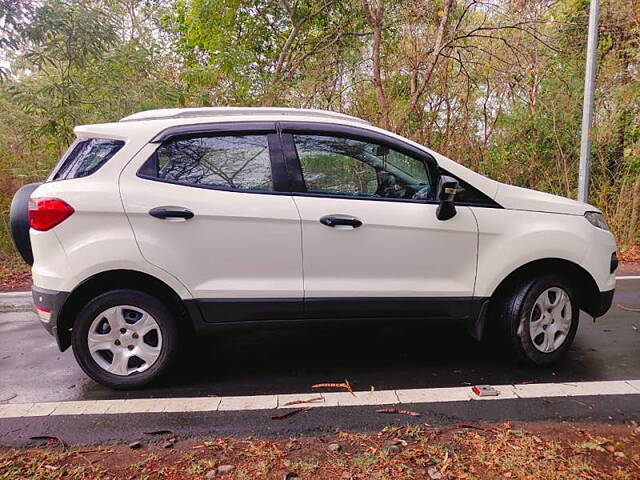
x=210, y=207
x=372, y=245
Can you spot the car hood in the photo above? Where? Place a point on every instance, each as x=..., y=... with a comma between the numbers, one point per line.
x=517, y=198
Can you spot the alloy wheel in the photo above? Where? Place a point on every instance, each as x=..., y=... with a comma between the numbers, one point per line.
x=124, y=340
x=550, y=320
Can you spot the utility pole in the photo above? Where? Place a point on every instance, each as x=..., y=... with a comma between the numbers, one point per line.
x=587, y=106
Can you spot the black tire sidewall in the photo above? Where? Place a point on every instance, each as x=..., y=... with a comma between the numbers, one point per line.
x=518, y=313
x=161, y=314
x=19, y=221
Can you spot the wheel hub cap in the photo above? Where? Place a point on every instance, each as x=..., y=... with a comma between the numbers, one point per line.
x=124, y=340
x=550, y=320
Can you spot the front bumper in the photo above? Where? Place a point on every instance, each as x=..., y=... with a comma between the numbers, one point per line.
x=601, y=304
x=48, y=305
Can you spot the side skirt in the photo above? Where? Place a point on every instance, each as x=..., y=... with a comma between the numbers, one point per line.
x=255, y=311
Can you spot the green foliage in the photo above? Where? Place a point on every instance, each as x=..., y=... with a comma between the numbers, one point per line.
x=253, y=48
x=66, y=34
x=13, y=17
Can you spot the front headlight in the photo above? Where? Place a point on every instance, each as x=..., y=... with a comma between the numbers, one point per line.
x=596, y=219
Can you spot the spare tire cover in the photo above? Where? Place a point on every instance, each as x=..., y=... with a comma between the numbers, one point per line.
x=19, y=221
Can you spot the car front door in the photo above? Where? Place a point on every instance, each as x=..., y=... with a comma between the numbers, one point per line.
x=208, y=207
x=372, y=244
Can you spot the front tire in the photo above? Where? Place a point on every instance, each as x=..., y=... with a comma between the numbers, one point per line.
x=125, y=339
x=539, y=319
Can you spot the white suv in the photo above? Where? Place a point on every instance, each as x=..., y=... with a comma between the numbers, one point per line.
x=191, y=219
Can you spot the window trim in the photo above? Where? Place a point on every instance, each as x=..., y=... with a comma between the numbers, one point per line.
x=279, y=176
x=298, y=186
x=214, y=130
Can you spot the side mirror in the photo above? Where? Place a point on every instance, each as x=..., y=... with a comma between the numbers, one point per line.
x=447, y=190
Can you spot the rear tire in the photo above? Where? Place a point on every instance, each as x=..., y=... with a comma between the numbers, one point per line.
x=125, y=339
x=539, y=319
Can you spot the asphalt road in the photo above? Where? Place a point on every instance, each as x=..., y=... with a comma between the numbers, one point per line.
x=291, y=360
x=124, y=428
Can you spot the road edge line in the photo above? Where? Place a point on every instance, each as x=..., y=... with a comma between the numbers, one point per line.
x=329, y=399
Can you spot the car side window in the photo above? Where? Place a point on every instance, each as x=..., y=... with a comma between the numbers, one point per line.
x=86, y=157
x=345, y=166
x=238, y=162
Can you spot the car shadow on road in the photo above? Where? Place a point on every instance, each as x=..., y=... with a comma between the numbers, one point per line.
x=287, y=360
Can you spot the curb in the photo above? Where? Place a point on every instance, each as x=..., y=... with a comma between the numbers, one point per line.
x=25, y=293
x=16, y=307
x=15, y=302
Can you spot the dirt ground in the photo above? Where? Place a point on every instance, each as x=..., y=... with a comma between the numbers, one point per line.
x=631, y=256
x=14, y=273
x=535, y=451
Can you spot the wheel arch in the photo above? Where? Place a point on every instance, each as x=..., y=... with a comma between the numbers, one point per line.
x=186, y=312
x=586, y=287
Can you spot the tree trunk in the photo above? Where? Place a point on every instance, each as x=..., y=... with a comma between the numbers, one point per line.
x=374, y=15
x=633, y=220
x=433, y=61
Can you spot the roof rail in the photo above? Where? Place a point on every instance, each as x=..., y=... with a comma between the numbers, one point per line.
x=168, y=113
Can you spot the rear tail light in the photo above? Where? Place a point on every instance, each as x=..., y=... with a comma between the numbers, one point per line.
x=46, y=213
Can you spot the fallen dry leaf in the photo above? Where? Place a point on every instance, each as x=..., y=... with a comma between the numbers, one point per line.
x=346, y=385
x=51, y=440
x=290, y=414
x=398, y=411
x=310, y=400
x=434, y=474
x=445, y=463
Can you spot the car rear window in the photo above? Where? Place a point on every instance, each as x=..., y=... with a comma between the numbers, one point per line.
x=85, y=157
